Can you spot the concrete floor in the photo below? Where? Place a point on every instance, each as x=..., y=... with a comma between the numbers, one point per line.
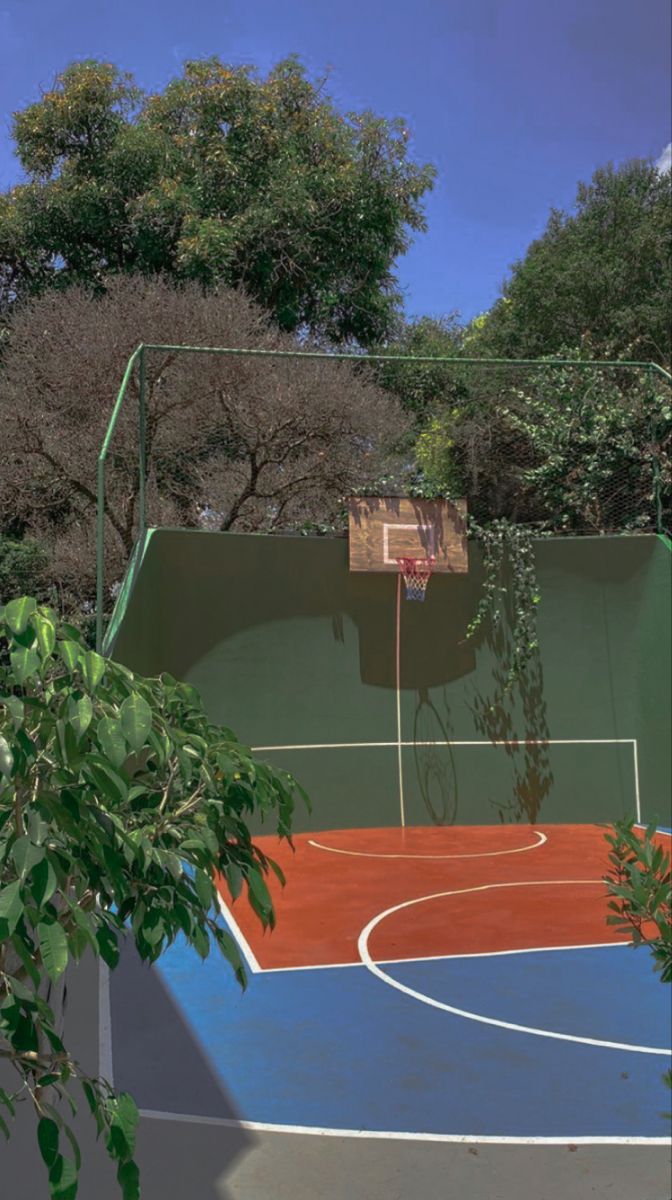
x=199, y=1160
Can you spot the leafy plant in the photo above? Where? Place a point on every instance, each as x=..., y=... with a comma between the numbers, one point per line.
x=510, y=588
x=120, y=805
x=640, y=881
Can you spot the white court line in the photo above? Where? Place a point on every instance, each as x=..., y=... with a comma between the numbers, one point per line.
x=638, y=802
x=389, y=962
x=401, y=1136
x=243, y=944
x=374, y=968
x=660, y=832
x=514, y=743
x=400, y=763
x=435, y=857
x=105, y=1061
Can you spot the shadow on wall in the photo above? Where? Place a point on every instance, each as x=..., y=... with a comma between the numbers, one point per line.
x=504, y=709
x=158, y=1059
x=222, y=584
x=516, y=702
x=433, y=758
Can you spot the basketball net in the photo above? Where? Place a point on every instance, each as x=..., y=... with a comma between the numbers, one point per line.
x=416, y=574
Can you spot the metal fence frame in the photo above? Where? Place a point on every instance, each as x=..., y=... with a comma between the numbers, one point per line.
x=139, y=357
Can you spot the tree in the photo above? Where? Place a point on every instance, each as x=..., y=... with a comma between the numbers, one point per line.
x=245, y=444
x=565, y=449
x=599, y=277
x=423, y=388
x=223, y=177
x=120, y=806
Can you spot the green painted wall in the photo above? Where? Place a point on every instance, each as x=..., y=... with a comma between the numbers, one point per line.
x=289, y=649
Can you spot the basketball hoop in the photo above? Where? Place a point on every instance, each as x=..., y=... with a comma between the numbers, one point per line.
x=416, y=573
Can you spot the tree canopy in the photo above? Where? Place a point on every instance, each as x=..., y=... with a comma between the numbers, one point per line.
x=235, y=443
x=224, y=176
x=599, y=278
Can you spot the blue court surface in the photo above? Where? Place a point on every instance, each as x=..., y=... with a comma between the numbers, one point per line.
x=336, y=1049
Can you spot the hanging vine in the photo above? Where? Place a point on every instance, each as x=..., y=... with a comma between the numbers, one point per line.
x=510, y=587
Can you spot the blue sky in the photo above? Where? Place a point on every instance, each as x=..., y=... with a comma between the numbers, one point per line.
x=513, y=100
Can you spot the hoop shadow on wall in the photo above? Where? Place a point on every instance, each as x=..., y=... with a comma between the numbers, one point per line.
x=434, y=762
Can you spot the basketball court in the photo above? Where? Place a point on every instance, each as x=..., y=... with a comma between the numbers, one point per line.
x=441, y=973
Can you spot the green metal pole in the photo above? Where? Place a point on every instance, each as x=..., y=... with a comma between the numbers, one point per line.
x=657, y=490
x=100, y=516
x=582, y=363
x=100, y=554
x=142, y=448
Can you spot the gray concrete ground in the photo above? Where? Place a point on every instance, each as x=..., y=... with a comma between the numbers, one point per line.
x=207, y=1161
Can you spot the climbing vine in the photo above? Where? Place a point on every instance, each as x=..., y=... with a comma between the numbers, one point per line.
x=510, y=587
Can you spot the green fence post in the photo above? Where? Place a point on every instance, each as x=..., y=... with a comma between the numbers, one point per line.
x=100, y=554
x=655, y=461
x=142, y=448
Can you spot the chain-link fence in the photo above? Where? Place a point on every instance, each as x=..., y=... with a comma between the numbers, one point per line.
x=269, y=440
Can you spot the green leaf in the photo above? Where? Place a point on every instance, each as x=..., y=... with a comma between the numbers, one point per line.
x=43, y=882
x=230, y=951
x=4, y=1127
x=6, y=758
x=128, y=1177
x=24, y=663
x=11, y=905
x=259, y=893
x=69, y=652
x=112, y=741
x=107, y=782
x=136, y=721
x=46, y=634
x=53, y=948
x=62, y=1179
x=86, y=924
x=204, y=888
x=26, y=855
x=107, y=946
x=18, y=613
x=74, y=1144
x=152, y=929
x=47, y=1139
x=91, y=1097
x=79, y=715
x=15, y=708
x=200, y=941
x=210, y=839
x=234, y=878
x=93, y=668
x=24, y=949
x=127, y=1115
x=19, y=989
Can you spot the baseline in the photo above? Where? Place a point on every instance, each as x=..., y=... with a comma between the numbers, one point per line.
x=402, y=1136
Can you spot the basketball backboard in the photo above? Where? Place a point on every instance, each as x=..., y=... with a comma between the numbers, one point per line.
x=386, y=528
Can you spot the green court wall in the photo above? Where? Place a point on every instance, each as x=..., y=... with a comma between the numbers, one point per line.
x=290, y=649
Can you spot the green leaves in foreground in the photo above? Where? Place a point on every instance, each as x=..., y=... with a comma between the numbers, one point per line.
x=120, y=806
x=640, y=882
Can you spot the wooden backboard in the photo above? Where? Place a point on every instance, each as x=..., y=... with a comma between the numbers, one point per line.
x=384, y=528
